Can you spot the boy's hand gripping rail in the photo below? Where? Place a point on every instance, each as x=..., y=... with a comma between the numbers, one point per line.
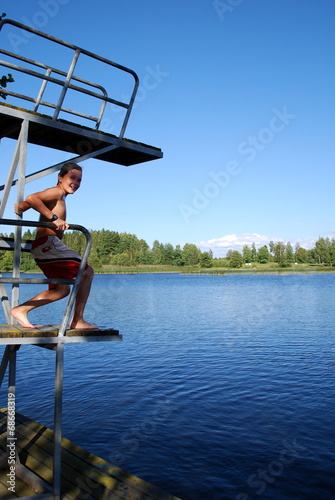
x=75, y=282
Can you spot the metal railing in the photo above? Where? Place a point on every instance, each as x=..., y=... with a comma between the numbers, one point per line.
x=15, y=281
x=67, y=81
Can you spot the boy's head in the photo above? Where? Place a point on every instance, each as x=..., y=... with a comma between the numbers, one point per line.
x=69, y=177
x=67, y=167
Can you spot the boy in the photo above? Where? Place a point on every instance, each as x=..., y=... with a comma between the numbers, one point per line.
x=52, y=256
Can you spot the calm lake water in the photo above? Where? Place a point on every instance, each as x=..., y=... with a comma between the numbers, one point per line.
x=222, y=388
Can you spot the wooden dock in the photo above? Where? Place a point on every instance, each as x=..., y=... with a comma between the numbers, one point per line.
x=84, y=475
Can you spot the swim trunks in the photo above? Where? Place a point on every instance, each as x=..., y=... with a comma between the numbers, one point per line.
x=55, y=259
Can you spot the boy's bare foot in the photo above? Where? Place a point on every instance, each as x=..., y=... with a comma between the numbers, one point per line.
x=83, y=325
x=21, y=317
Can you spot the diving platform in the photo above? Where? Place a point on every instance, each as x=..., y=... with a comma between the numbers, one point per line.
x=73, y=138
x=41, y=87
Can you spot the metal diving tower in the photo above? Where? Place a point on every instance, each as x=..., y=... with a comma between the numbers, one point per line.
x=62, y=110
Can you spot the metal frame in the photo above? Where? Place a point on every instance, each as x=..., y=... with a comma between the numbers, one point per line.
x=57, y=343
x=67, y=78
x=24, y=121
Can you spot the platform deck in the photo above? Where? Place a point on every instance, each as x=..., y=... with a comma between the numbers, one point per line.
x=70, y=137
x=48, y=334
x=84, y=475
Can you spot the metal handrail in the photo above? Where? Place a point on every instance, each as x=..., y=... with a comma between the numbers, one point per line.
x=69, y=76
x=75, y=282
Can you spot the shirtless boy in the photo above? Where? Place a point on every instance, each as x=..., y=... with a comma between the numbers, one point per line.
x=52, y=256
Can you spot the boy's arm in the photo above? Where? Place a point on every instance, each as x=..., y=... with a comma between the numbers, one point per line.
x=40, y=201
x=21, y=207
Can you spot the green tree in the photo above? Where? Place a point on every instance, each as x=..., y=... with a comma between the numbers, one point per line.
x=332, y=252
x=279, y=254
x=94, y=258
x=3, y=84
x=168, y=254
x=272, y=247
x=206, y=259
x=109, y=243
x=75, y=240
x=142, y=254
x=289, y=255
x=312, y=257
x=253, y=253
x=301, y=254
x=121, y=259
x=322, y=250
x=178, y=256
x=229, y=254
x=191, y=254
x=129, y=244
x=236, y=259
x=246, y=252
x=28, y=262
x=263, y=255
x=7, y=262
x=157, y=253
x=220, y=262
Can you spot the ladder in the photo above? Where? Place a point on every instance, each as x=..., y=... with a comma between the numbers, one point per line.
x=49, y=336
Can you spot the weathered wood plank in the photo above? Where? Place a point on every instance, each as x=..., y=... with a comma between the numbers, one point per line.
x=78, y=475
x=21, y=489
x=18, y=331
x=83, y=474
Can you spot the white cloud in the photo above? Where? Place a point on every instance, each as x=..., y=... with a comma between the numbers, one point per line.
x=221, y=245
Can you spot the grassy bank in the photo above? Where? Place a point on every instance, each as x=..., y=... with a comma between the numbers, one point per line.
x=254, y=268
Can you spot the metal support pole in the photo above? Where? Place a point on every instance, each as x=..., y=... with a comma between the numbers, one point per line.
x=5, y=301
x=4, y=363
x=66, y=84
x=10, y=177
x=19, y=198
x=42, y=89
x=54, y=168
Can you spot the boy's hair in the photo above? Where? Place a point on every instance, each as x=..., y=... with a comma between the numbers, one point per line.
x=67, y=167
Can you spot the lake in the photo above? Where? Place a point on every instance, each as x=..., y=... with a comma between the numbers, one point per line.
x=222, y=387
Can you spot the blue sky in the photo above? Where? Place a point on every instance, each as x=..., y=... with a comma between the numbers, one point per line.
x=239, y=95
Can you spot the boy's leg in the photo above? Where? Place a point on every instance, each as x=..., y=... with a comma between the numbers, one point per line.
x=20, y=312
x=78, y=321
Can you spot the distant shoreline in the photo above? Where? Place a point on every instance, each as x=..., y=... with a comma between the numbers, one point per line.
x=194, y=270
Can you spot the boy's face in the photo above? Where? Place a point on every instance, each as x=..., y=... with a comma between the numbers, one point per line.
x=70, y=182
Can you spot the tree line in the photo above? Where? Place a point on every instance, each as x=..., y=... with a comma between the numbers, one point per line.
x=110, y=248
x=283, y=254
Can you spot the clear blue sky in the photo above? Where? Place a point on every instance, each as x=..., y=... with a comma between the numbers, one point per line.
x=242, y=106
